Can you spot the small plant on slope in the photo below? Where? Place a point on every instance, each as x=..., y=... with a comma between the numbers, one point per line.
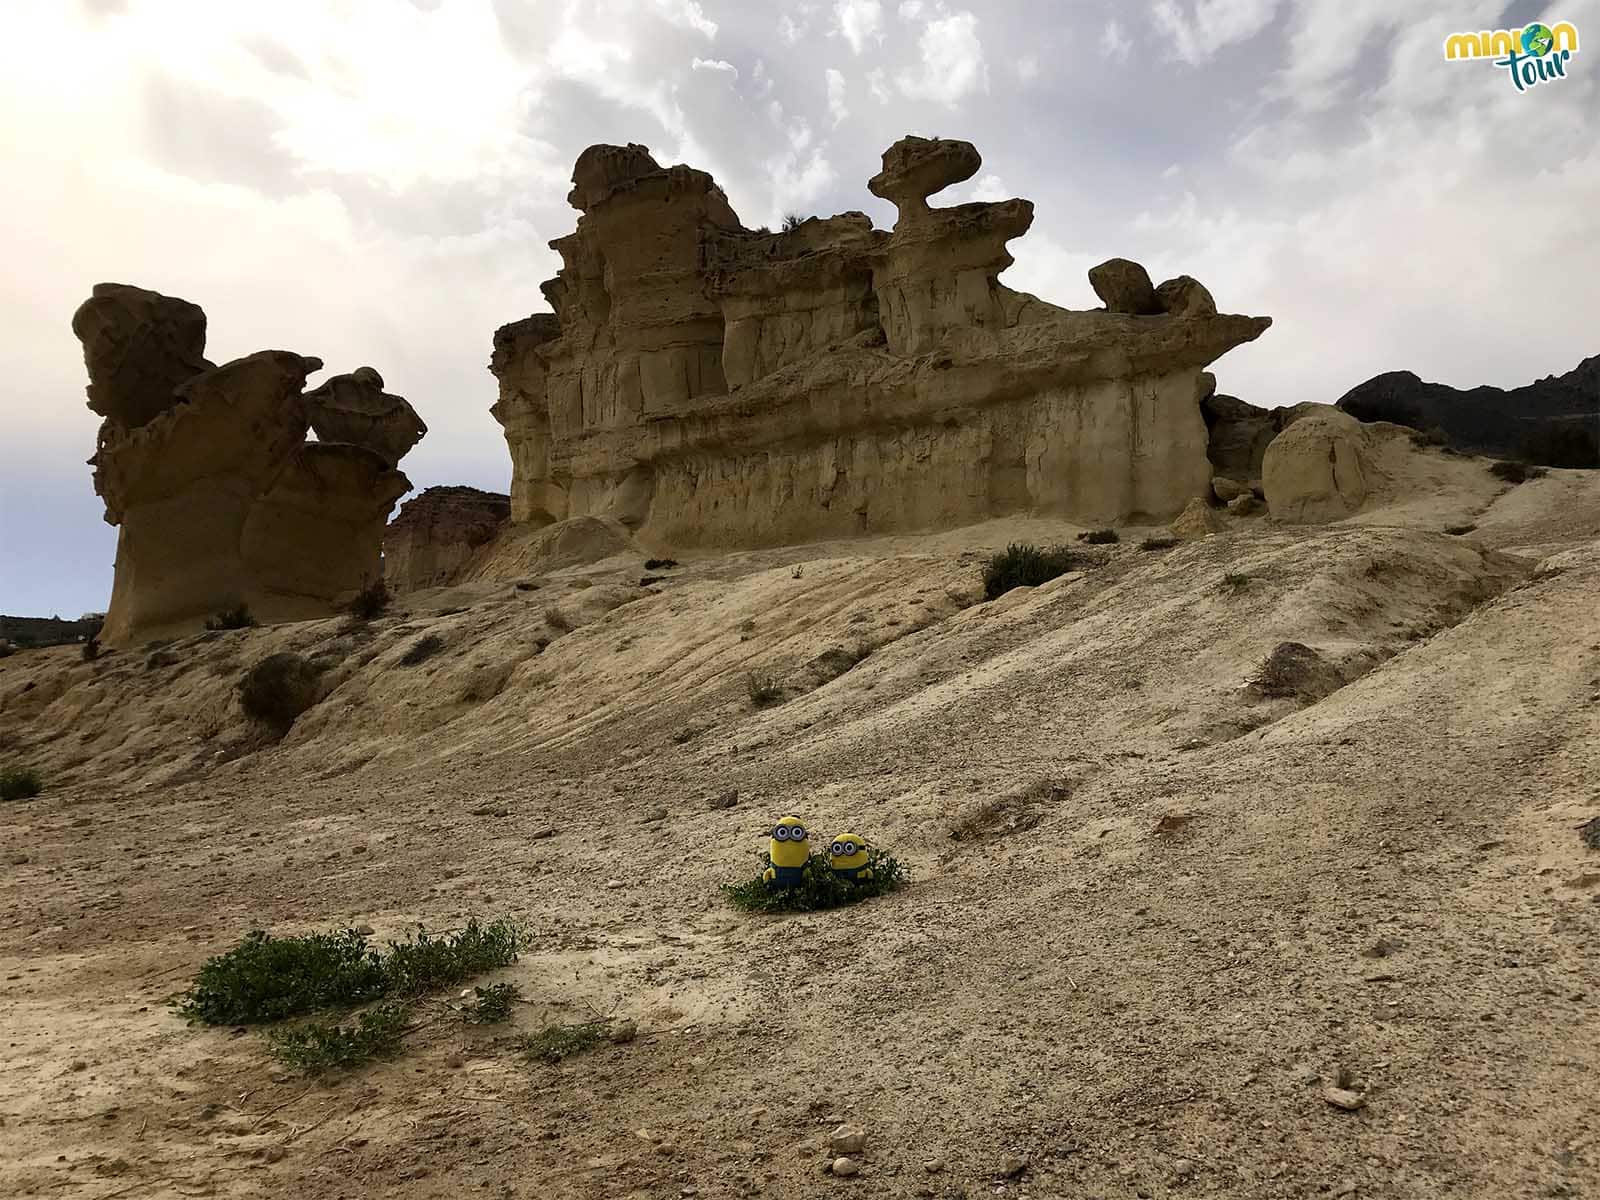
x=20, y=783
x=318, y=1046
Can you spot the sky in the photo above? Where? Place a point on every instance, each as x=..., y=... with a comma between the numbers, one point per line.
x=376, y=181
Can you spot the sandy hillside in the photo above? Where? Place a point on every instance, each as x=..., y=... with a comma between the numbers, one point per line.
x=1191, y=891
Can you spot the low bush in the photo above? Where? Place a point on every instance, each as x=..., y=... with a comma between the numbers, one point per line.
x=819, y=887
x=660, y=564
x=319, y=1046
x=279, y=688
x=1516, y=472
x=1020, y=565
x=556, y=1042
x=765, y=688
x=370, y=602
x=1158, y=543
x=556, y=619
x=266, y=978
x=20, y=783
x=231, y=618
x=1235, y=581
x=91, y=649
x=1099, y=537
x=491, y=1005
x=422, y=650
x=1458, y=530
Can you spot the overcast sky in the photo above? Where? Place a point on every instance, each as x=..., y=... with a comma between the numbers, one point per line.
x=374, y=181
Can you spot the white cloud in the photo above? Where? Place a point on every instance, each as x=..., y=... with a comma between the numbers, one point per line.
x=858, y=20
x=715, y=64
x=1211, y=25
x=790, y=30
x=1114, y=41
x=1028, y=67
x=952, y=61
x=878, y=85
x=836, y=88
x=688, y=14
x=990, y=188
x=910, y=10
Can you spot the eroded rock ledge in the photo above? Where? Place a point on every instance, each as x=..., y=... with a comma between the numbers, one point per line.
x=220, y=500
x=708, y=384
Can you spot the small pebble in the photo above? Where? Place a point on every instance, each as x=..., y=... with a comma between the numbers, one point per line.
x=848, y=1139
x=1344, y=1099
x=846, y=1167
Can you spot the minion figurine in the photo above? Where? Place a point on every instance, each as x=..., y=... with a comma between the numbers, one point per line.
x=848, y=858
x=788, y=851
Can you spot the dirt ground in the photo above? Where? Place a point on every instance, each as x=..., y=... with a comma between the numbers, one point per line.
x=1184, y=904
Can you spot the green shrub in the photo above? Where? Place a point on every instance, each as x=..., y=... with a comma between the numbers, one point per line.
x=20, y=783
x=231, y=618
x=556, y=1042
x=1100, y=537
x=266, y=978
x=1022, y=565
x=1158, y=543
x=318, y=1046
x=422, y=650
x=491, y=1005
x=423, y=963
x=819, y=887
x=1235, y=581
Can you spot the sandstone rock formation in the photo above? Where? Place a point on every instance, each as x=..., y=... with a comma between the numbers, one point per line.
x=702, y=383
x=436, y=533
x=1317, y=469
x=220, y=500
x=1237, y=434
x=1197, y=520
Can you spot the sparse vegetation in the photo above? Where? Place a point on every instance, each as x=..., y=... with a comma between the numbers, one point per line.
x=231, y=618
x=491, y=1005
x=660, y=564
x=1568, y=444
x=1235, y=581
x=765, y=688
x=1158, y=543
x=266, y=978
x=1100, y=537
x=819, y=888
x=20, y=783
x=1458, y=530
x=556, y=1042
x=318, y=1046
x=792, y=221
x=1432, y=436
x=370, y=602
x=422, y=650
x=1516, y=472
x=279, y=688
x=91, y=649
x=556, y=619
x=1021, y=565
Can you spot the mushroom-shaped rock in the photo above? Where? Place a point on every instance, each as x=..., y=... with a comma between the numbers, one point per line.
x=601, y=170
x=138, y=346
x=355, y=409
x=914, y=168
x=1185, y=296
x=1125, y=287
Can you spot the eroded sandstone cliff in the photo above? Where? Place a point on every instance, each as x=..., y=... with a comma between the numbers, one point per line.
x=220, y=500
x=703, y=383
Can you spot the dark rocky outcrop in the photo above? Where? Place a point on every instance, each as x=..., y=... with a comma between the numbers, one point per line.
x=435, y=534
x=1554, y=421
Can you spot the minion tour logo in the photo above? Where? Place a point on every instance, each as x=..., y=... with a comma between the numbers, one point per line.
x=1533, y=55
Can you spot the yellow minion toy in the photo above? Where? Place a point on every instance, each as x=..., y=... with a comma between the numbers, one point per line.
x=848, y=858
x=788, y=851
